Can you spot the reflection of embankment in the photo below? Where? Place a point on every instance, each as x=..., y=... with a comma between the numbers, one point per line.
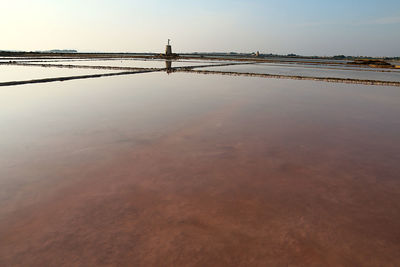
x=79, y=66
x=60, y=79
x=126, y=71
x=71, y=66
x=189, y=69
x=293, y=77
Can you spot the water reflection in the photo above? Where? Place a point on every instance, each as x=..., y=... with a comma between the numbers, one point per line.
x=164, y=161
x=168, y=66
x=22, y=73
x=276, y=69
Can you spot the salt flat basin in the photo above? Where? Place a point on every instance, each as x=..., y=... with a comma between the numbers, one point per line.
x=308, y=71
x=330, y=66
x=133, y=63
x=199, y=170
x=10, y=73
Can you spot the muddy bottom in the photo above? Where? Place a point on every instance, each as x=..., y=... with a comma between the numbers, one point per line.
x=196, y=170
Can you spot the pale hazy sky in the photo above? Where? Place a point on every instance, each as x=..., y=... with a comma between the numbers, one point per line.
x=308, y=27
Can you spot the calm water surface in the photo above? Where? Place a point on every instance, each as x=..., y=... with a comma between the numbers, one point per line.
x=297, y=70
x=21, y=73
x=198, y=170
x=136, y=63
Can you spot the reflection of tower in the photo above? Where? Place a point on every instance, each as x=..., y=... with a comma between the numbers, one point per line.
x=168, y=49
x=168, y=65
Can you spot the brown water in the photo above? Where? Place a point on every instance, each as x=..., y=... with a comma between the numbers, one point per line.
x=196, y=170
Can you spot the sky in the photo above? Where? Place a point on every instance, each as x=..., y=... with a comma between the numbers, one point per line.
x=306, y=27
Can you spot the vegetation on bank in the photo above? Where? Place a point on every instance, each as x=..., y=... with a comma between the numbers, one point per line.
x=374, y=63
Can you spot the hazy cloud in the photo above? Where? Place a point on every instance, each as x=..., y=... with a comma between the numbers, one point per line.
x=388, y=20
x=382, y=21
x=377, y=21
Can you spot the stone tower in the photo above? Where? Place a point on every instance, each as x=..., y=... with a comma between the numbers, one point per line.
x=168, y=49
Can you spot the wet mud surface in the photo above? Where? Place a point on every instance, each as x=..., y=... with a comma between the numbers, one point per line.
x=196, y=170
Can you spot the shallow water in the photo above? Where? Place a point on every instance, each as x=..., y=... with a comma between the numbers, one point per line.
x=184, y=169
x=21, y=73
x=329, y=66
x=297, y=70
x=135, y=63
x=311, y=60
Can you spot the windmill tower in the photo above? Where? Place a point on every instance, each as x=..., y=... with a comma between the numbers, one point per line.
x=168, y=49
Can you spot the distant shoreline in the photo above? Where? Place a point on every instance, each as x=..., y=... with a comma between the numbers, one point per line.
x=203, y=55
